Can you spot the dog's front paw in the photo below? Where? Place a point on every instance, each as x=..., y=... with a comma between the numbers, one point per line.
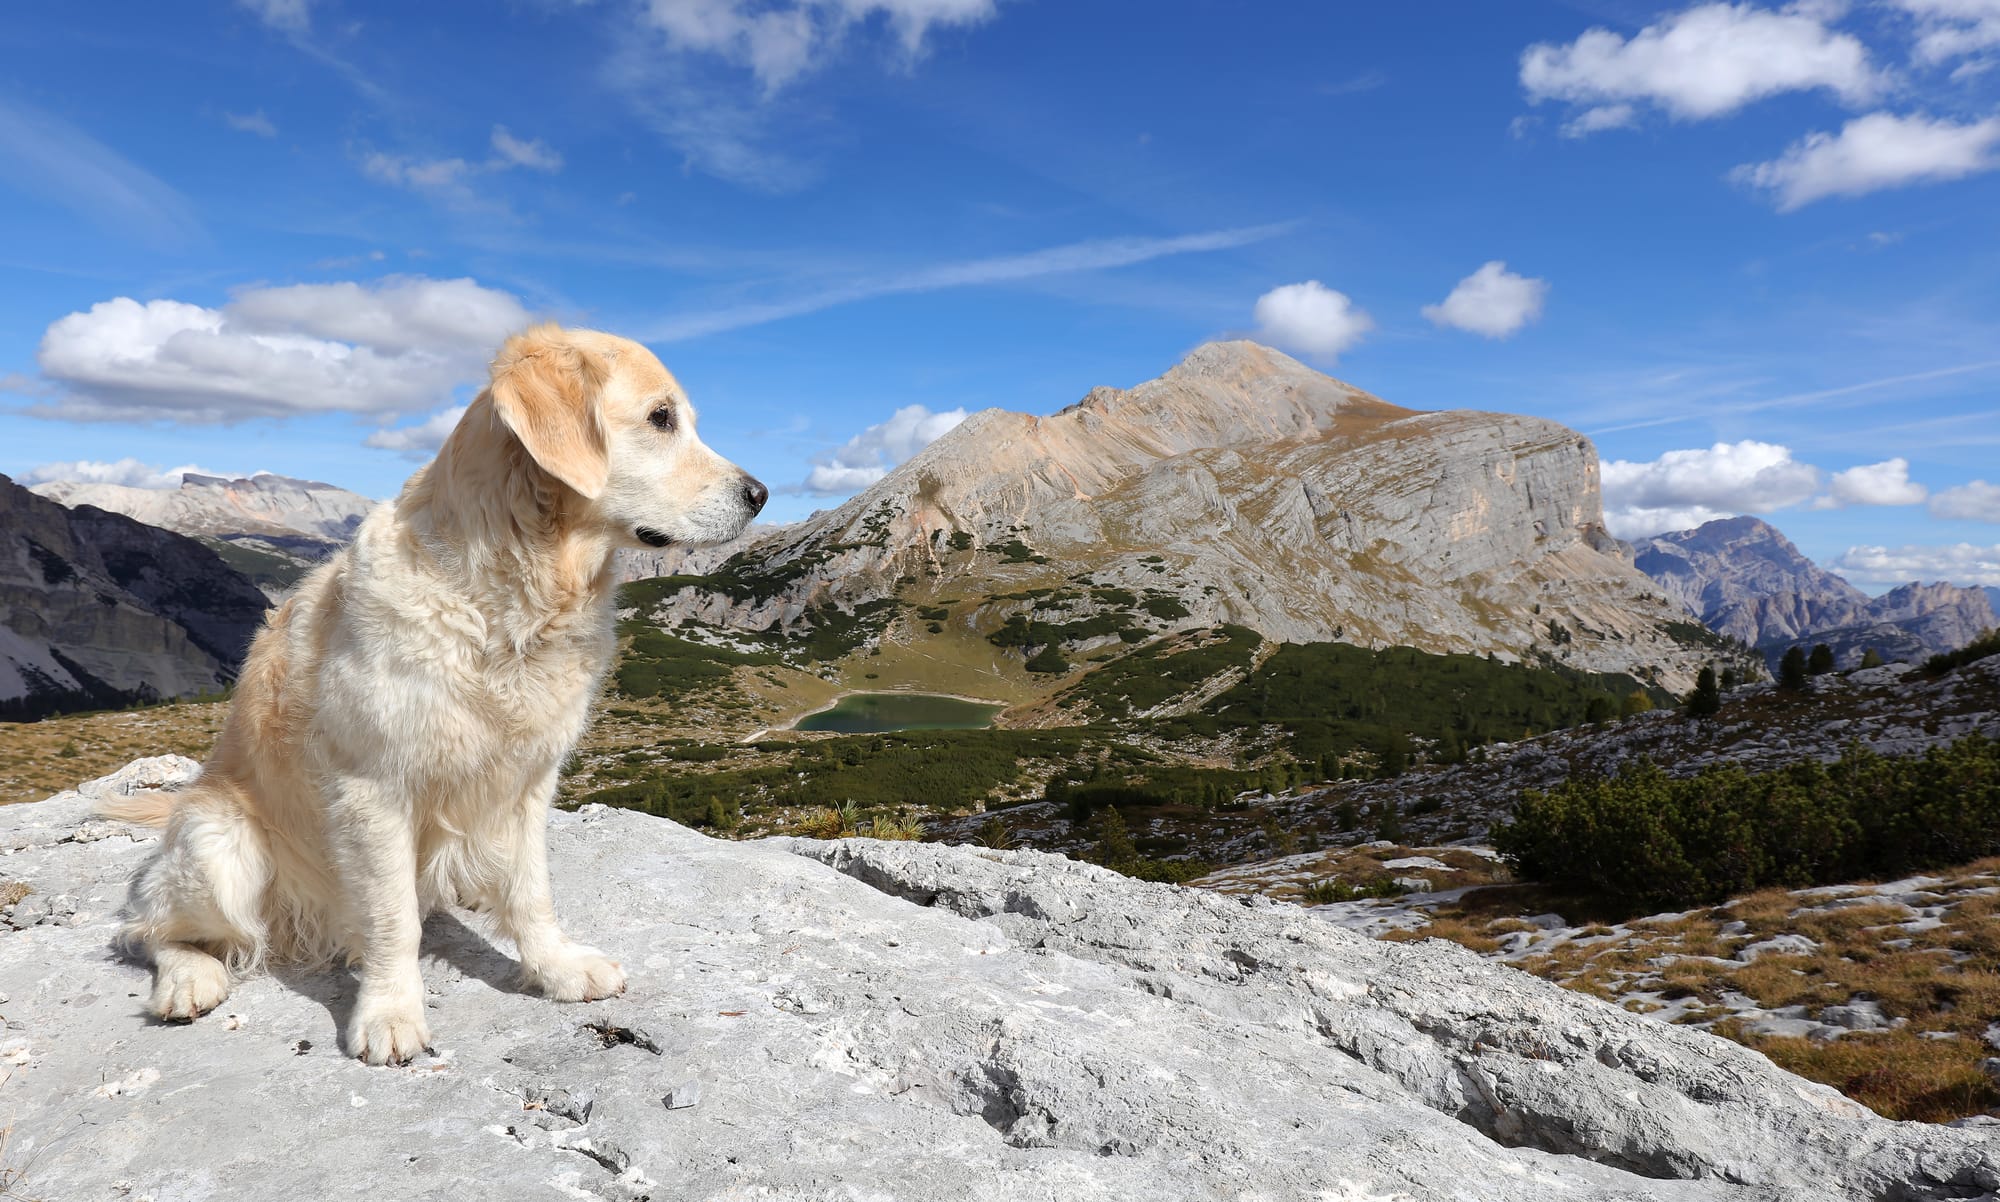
x=576, y=974
x=385, y=1031
x=187, y=986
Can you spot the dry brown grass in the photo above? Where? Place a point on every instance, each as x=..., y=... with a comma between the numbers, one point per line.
x=1897, y=1074
x=12, y=892
x=1457, y=930
x=41, y=758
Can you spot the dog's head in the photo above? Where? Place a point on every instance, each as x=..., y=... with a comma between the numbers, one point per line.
x=602, y=415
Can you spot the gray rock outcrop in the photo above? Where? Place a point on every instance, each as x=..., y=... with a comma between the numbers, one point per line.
x=271, y=528
x=1254, y=491
x=99, y=610
x=897, y=1021
x=1744, y=579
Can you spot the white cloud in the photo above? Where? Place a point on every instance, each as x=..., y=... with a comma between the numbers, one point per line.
x=869, y=455
x=1949, y=29
x=1705, y=61
x=781, y=42
x=290, y=16
x=397, y=346
x=450, y=180
x=1682, y=489
x=1094, y=255
x=128, y=471
x=422, y=439
x=532, y=153
x=1962, y=563
x=1976, y=501
x=1884, y=483
x=1601, y=117
x=1880, y=150
x=1311, y=318
x=251, y=123
x=1491, y=301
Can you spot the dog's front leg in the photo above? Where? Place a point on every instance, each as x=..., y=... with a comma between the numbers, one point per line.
x=376, y=850
x=550, y=963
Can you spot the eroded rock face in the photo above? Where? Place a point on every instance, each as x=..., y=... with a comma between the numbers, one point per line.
x=264, y=504
x=1258, y=492
x=1744, y=579
x=99, y=610
x=866, y=1020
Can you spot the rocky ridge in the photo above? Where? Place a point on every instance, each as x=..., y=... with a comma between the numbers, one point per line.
x=99, y=610
x=831, y=1020
x=1251, y=490
x=1747, y=581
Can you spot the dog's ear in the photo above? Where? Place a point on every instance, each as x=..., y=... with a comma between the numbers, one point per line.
x=545, y=388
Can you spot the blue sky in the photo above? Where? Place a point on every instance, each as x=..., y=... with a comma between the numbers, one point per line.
x=1751, y=250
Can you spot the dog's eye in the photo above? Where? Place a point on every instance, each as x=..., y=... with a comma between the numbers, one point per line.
x=662, y=418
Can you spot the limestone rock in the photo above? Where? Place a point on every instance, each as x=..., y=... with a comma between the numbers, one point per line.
x=1254, y=491
x=1744, y=579
x=99, y=610
x=856, y=1019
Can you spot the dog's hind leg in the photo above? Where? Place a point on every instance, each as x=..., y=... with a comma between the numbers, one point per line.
x=197, y=907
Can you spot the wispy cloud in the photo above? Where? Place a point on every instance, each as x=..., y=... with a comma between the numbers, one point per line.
x=251, y=123
x=1093, y=255
x=57, y=161
x=1797, y=400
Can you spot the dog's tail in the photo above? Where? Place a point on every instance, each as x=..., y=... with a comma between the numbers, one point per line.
x=151, y=808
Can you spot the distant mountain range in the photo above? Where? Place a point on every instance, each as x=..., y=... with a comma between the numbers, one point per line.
x=1244, y=488
x=271, y=528
x=99, y=610
x=1744, y=579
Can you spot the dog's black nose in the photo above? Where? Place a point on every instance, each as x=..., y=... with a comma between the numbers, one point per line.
x=755, y=494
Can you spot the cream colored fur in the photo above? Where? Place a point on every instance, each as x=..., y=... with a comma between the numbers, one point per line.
x=395, y=735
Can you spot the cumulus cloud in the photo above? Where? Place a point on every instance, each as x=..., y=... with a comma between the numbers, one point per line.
x=781, y=42
x=128, y=471
x=1884, y=483
x=1310, y=318
x=1950, y=29
x=1961, y=563
x=1491, y=301
x=871, y=454
x=421, y=440
x=396, y=346
x=1706, y=61
x=251, y=123
x=1874, y=152
x=1682, y=489
x=1976, y=501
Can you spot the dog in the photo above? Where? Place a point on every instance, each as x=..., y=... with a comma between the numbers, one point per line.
x=394, y=738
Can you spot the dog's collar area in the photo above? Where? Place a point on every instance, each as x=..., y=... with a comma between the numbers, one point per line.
x=652, y=537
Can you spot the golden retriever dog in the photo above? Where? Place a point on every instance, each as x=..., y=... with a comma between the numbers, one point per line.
x=395, y=735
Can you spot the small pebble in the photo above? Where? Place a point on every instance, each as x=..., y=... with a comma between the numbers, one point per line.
x=684, y=1095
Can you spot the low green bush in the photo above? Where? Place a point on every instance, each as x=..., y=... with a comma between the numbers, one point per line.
x=1648, y=838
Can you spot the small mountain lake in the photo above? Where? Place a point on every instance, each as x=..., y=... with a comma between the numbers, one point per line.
x=873, y=713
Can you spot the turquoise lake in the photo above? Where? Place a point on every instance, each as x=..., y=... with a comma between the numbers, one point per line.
x=873, y=713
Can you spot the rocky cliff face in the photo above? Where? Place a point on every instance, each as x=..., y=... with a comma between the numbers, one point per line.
x=271, y=528
x=97, y=609
x=263, y=504
x=859, y=1019
x=1255, y=491
x=1744, y=579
